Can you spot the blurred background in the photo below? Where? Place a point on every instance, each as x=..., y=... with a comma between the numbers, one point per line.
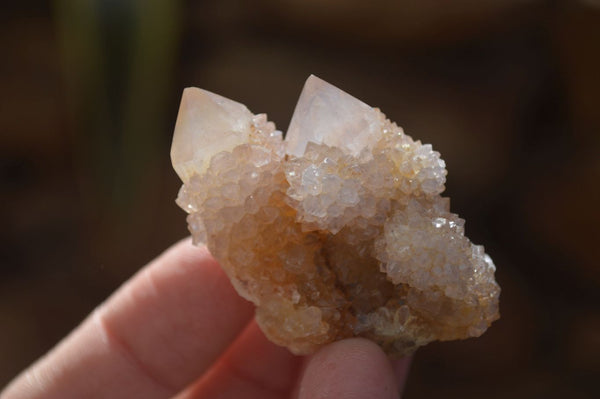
x=506, y=90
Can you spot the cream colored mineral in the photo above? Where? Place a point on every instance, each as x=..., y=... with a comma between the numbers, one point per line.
x=337, y=231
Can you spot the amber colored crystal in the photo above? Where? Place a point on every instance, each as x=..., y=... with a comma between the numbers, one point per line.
x=337, y=231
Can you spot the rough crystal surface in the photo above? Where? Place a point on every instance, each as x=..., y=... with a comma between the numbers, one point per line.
x=339, y=230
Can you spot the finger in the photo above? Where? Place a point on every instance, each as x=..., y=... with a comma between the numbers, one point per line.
x=251, y=368
x=85, y=365
x=179, y=316
x=160, y=331
x=401, y=368
x=354, y=368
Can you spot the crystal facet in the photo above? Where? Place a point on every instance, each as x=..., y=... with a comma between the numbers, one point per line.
x=339, y=230
x=206, y=125
x=327, y=115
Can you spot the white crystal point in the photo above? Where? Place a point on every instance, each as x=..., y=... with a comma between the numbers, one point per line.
x=206, y=125
x=327, y=115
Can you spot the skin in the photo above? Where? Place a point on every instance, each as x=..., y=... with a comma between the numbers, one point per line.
x=179, y=329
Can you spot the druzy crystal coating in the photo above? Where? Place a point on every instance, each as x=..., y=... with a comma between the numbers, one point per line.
x=337, y=231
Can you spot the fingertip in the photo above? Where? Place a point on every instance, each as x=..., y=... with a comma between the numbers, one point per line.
x=401, y=368
x=184, y=251
x=353, y=368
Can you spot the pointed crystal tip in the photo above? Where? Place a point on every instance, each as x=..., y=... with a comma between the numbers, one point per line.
x=327, y=115
x=206, y=124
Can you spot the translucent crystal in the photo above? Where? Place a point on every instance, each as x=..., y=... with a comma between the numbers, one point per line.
x=339, y=231
x=326, y=115
x=206, y=125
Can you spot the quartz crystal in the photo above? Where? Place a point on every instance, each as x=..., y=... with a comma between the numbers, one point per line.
x=337, y=231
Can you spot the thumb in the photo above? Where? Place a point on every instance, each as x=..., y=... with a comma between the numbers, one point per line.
x=353, y=368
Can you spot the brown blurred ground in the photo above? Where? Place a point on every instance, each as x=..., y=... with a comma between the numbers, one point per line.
x=507, y=91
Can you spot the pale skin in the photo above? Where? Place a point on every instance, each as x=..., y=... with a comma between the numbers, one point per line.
x=179, y=329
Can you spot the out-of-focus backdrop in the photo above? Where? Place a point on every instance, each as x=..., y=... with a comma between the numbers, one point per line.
x=507, y=91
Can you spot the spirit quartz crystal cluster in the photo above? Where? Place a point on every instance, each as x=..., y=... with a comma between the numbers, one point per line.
x=337, y=231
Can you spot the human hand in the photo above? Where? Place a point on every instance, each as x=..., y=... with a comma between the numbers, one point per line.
x=179, y=329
